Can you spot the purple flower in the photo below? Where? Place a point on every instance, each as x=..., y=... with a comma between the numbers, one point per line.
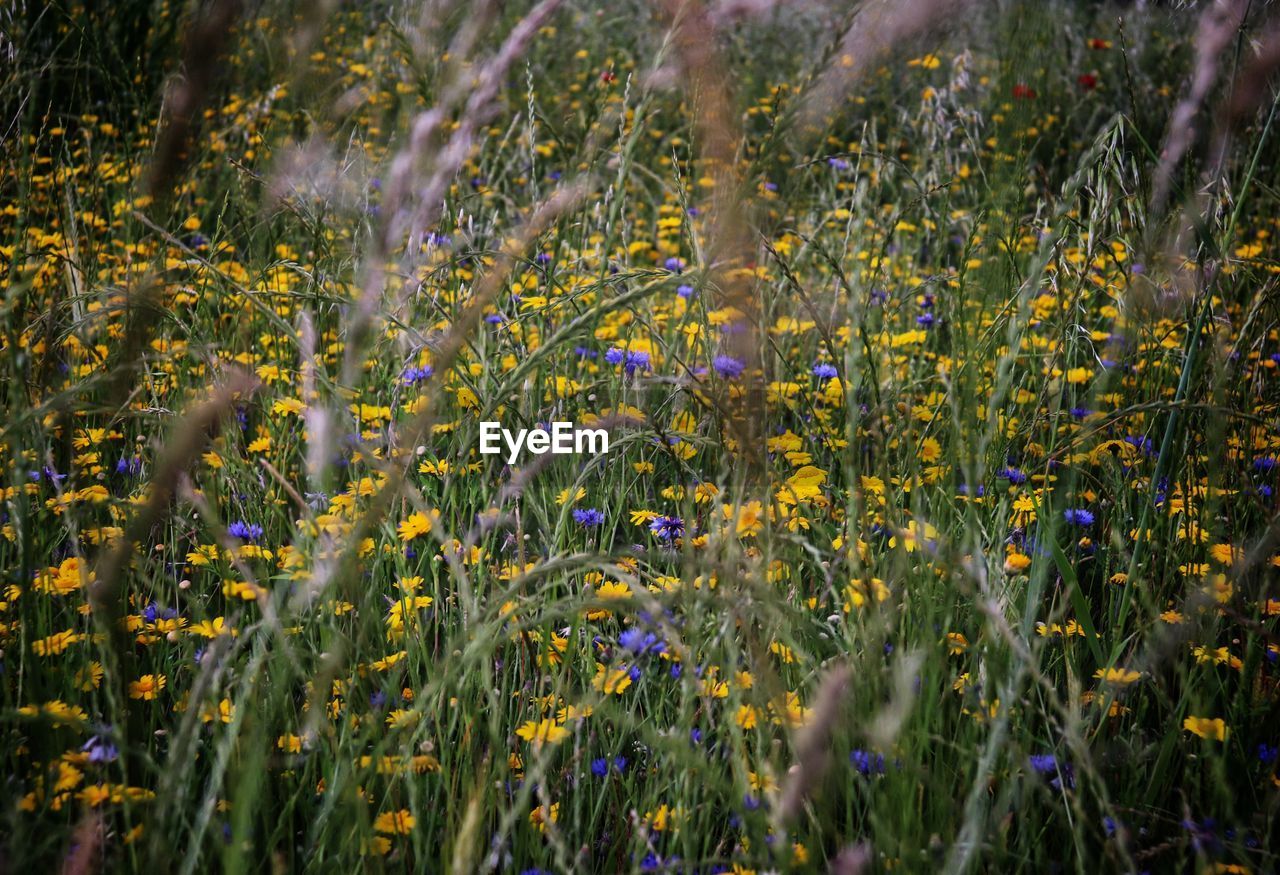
x=244, y=531
x=1043, y=763
x=1078, y=517
x=1014, y=476
x=640, y=642
x=100, y=750
x=1047, y=766
x=588, y=517
x=412, y=375
x=825, y=371
x=632, y=360
x=673, y=264
x=668, y=528
x=867, y=764
x=684, y=291
x=728, y=367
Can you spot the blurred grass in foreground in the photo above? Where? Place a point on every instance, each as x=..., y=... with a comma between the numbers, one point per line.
x=938, y=529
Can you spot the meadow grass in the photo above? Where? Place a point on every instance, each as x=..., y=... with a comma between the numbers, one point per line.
x=938, y=526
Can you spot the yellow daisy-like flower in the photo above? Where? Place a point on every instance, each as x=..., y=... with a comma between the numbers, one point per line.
x=1212, y=728
x=399, y=822
x=416, y=525
x=146, y=687
x=1122, y=676
x=539, y=732
x=611, y=681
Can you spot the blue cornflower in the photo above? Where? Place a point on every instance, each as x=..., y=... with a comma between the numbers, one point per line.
x=244, y=531
x=867, y=764
x=600, y=767
x=130, y=466
x=1014, y=476
x=825, y=371
x=673, y=264
x=588, y=517
x=728, y=367
x=668, y=528
x=1078, y=517
x=1046, y=765
x=100, y=750
x=1043, y=763
x=631, y=360
x=412, y=375
x=684, y=291
x=640, y=642
x=153, y=612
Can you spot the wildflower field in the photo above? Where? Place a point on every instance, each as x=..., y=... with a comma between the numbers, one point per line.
x=938, y=346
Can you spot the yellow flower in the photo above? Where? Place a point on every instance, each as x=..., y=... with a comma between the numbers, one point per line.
x=613, y=589
x=1015, y=562
x=747, y=519
x=417, y=524
x=66, y=578
x=56, y=643
x=542, y=731
x=570, y=496
x=1207, y=727
x=930, y=451
x=89, y=677
x=401, y=718
x=1121, y=676
x=146, y=687
x=225, y=712
x=914, y=534
x=399, y=822
x=611, y=681
x=803, y=485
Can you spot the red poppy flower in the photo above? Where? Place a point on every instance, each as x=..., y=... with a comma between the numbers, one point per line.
x=1096, y=43
x=1087, y=81
x=607, y=76
x=1022, y=91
